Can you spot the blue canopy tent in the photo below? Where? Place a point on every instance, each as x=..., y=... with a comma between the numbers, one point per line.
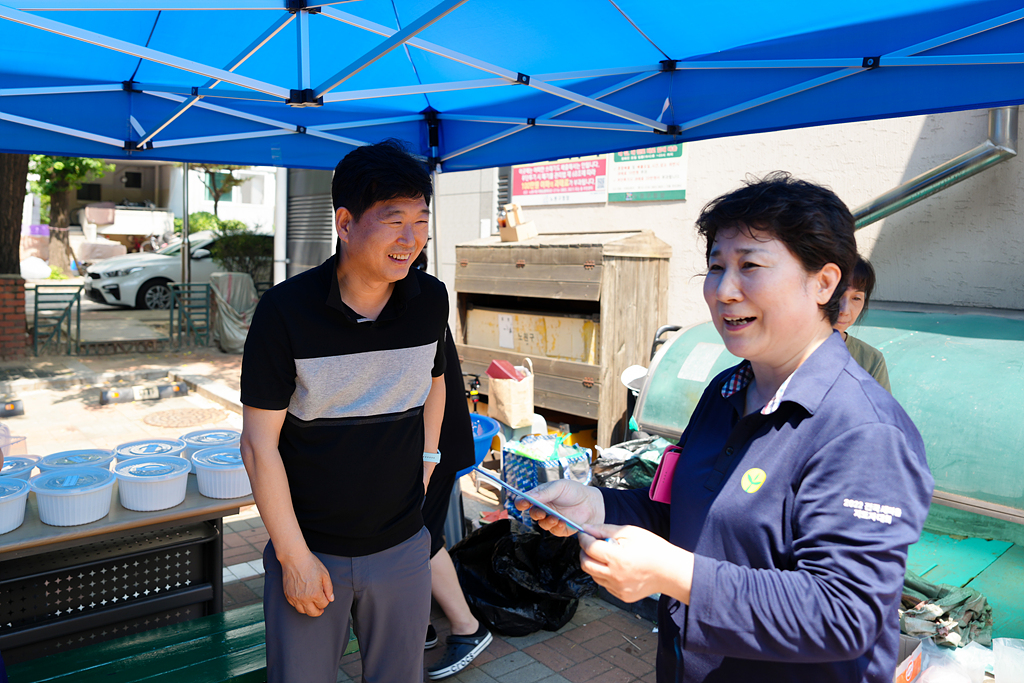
x=479, y=83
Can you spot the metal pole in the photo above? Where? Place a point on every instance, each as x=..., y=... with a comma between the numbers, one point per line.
x=185, y=251
x=281, y=227
x=433, y=218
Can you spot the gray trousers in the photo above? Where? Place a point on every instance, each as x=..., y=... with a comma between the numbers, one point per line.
x=387, y=593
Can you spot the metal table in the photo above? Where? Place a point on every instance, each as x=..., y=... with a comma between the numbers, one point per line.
x=63, y=587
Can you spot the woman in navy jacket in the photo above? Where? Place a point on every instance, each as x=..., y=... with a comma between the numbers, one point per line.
x=780, y=542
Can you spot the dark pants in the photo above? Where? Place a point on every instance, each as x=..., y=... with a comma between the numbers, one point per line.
x=388, y=596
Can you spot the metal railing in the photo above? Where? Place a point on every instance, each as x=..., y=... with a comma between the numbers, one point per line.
x=56, y=307
x=190, y=314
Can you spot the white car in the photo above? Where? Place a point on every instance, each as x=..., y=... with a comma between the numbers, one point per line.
x=141, y=280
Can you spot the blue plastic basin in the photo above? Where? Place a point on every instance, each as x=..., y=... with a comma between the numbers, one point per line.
x=484, y=429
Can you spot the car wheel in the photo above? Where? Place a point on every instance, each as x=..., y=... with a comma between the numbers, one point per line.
x=155, y=295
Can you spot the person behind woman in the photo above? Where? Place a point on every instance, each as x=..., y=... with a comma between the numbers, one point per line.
x=853, y=304
x=797, y=485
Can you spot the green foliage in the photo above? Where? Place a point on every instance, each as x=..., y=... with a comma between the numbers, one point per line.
x=240, y=250
x=201, y=220
x=60, y=174
x=57, y=274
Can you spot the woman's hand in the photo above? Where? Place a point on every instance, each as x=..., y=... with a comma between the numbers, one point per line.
x=582, y=504
x=637, y=564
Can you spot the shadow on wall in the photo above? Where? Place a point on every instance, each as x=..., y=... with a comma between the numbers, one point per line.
x=962, y=246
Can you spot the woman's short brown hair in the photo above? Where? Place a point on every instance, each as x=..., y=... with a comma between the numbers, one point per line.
x=813, y=223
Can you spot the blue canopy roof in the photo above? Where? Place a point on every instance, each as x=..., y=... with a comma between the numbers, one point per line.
x=479, y=83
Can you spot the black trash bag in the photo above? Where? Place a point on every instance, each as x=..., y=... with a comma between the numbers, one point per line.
x=522, y=583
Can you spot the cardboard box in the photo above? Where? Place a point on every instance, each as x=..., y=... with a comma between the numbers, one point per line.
x=512, y=215
x=535, y=334
x=518, y=233
x=909, y=658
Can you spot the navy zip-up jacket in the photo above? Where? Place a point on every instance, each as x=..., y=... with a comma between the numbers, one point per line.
x=799, y=520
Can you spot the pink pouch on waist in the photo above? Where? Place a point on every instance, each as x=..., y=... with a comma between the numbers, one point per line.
x=661, y=486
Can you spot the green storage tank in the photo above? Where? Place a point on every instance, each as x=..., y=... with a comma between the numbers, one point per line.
x=960, y=377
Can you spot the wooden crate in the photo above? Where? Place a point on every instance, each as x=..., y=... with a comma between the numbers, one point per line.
x=621, y=277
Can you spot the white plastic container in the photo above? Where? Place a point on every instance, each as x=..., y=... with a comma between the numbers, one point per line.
x=209, y=438
x=18, y=467
x=155, y=483
x=221, y=473
x=71, y=496
x=13, y=497
x=150, y=447
x=93, y=457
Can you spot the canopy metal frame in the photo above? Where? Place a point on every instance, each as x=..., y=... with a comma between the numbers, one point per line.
x=331, y=90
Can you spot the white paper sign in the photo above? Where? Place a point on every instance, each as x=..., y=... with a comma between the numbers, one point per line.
x=506, y=337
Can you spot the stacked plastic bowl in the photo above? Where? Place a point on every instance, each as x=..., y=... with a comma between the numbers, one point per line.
x=221, y=473
x=94, y=457
x=147, y=448
x=18, y=467
x=152, y=483
x=13, y=498
x=70, y=496
x=209, y=438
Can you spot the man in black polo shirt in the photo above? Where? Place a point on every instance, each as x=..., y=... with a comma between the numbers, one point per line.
x=343, y=393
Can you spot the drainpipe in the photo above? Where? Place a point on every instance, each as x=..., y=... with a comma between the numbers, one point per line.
x=1000, y=146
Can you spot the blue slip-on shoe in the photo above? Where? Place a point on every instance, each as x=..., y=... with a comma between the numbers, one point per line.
x=459, y=652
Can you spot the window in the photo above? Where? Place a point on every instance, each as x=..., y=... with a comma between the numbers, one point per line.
x=252, y=190
x=218, y=180
x=89, y=192
x=132, y=179
x=504, y=187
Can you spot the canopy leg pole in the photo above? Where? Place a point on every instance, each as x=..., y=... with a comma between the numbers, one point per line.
x=433, y=221
x=185, y=251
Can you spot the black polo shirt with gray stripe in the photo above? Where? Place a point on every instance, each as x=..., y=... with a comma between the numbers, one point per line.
x=354, y=389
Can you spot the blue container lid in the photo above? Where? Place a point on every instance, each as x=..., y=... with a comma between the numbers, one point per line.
x=154, y=468
x=70, y=481
x=12, y=489
x=93, y=457
x=211, y=438
x=134, y=449
x=219, y=458
x=15, y=466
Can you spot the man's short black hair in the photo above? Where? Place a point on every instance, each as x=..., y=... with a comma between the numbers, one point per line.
x=378, y=173
x=814, y=224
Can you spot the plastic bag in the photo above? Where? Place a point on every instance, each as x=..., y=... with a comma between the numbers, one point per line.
x=537, y=459
x=236, y=299
x=520, y=584
x=939, y=665
x=1009, y=659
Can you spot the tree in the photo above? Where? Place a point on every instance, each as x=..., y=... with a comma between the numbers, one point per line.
x=13, y=173
x=57, y=177
x=219, y=180
x=241, y=250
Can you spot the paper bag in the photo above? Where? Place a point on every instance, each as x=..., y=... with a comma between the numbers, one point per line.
x=511, y=402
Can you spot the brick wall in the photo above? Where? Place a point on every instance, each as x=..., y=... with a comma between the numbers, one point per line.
x=13, y=338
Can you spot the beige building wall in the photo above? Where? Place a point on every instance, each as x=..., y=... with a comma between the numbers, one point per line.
x=964, y=246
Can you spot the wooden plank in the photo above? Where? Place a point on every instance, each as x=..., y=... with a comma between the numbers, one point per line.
x=240, y=628
x=560, y=272
x=629, y=321
x=551, y=392
x=539, y=289
x=567, y=369
x=1001, y=583
x=939, y=558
